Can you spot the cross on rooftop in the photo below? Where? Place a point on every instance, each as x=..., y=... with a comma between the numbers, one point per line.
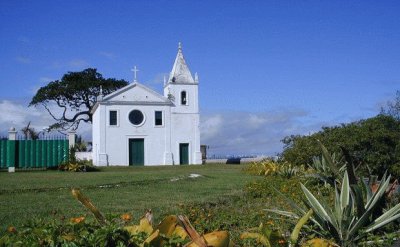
x=135, y=70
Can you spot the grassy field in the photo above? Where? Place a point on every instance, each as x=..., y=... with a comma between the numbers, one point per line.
x=25, y=195
x=223, y=197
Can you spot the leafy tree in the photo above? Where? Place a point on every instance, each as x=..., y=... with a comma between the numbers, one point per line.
x=393, y=107
x=75, y=94
x=373, y=144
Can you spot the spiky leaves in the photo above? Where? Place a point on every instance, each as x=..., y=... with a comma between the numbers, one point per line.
x=328, y=167
x=352, y=216
x=343, y=222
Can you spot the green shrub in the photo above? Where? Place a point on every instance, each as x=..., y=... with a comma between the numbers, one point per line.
x=373, y=142
x=78, y=166
x=75, y=165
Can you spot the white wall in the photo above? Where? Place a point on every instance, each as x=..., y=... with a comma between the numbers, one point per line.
x=83, y=155
x=185, y=121
x=117, y=137
x=95, y=136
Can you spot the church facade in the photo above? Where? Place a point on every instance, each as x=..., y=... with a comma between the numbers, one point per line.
x=138, y=126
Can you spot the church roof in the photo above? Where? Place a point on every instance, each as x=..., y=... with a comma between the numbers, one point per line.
x=133, y=94
x=180, y=71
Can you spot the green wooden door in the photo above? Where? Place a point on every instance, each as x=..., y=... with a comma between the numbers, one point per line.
x=184, y=153
x=136, y=152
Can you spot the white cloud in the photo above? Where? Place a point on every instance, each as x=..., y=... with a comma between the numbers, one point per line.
x=224, y=132
x=210, y=126
x=250, y=132
x=256, y=121
x=18, y=115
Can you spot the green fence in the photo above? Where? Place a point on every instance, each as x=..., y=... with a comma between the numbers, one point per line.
x=33, y=153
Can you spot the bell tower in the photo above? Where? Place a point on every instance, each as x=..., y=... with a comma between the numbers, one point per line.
x=181, y=88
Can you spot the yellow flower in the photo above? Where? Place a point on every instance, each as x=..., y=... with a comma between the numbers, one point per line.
x=11, y=229
x=77, y=219
x=126, y=217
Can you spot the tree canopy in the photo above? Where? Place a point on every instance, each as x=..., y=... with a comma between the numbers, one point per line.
x=76, y=95
x=374, y=143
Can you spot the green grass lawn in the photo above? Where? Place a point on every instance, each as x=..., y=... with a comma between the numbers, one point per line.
x=29, y=194
x=222, y=198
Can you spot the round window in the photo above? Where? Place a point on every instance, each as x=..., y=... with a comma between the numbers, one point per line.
x=136, y=117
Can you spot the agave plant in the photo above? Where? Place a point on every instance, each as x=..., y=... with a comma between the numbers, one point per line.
x=328, y=167
x=350, y=220
x=288, y=170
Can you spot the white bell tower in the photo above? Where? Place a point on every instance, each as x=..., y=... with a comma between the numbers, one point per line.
x=183, y=90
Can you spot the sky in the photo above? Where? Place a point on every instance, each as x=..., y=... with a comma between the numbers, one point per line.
x=267, y=69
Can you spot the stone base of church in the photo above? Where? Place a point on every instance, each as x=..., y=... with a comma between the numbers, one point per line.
x=168, y=158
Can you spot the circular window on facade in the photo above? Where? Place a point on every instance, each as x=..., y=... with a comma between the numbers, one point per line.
x=136, y=117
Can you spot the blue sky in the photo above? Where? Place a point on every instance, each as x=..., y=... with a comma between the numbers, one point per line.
x=267, y=68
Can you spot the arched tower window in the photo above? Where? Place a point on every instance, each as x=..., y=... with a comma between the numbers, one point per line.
x=183, y=98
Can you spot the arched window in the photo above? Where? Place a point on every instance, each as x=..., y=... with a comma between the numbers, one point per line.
x=183, y=98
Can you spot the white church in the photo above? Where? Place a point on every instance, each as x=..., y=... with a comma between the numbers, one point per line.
x=137, y=126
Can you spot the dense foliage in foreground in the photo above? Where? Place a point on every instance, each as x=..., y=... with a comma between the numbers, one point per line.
x=353, y=213
x=239, y=215
x=374, y=143
x=322, y=212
